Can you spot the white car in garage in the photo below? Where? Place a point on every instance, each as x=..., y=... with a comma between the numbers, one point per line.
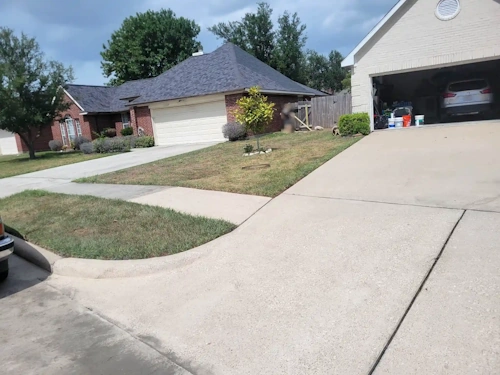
x=467, y=97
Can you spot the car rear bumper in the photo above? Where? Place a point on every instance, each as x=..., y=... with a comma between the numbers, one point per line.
x=6, y=248
x=468, y=109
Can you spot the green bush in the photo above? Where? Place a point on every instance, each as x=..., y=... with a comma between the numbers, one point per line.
x=354, y=123
x=248, y=148
x=131, y=140
x=108, y=145
x=55, y=145
x=87, y=148
x=145, y=141
x=78, y=141
x=127, y=131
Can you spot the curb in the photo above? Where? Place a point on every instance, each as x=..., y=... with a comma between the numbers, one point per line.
x=35, y=254
x=103, y=269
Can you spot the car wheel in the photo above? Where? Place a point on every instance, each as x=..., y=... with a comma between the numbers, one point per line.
x=3, y=275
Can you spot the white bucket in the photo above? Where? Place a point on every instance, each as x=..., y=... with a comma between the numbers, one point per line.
x=419, y=120
x=392, y=123
x=398, y=122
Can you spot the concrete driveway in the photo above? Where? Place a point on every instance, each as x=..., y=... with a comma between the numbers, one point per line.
x=55, y=177
x=385, y=260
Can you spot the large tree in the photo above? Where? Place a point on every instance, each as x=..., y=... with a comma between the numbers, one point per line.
x=289, y=57
x=254, y=33
x=325, y=73
x=31, y=95
x=147, y=44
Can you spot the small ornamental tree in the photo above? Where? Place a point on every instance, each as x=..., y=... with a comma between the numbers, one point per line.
x=255, y=112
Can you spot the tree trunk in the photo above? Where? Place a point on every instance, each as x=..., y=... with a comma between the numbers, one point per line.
x=258, y=144
x=32, y=151
x=30, y=143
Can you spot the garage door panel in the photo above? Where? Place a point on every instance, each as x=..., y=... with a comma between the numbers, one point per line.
x=190, y=124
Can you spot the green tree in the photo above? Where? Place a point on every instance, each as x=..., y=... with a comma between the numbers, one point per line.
x=325, y=73
x=147, y=44
x=254, y=33
x=289, y=57
x=31, y=97
x=255, y=112
x=317, y=69
x=346, y=82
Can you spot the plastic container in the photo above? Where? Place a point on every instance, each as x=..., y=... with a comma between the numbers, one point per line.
x=392, y=123
x=419, y=120
x=398, y=122
x=407, y=121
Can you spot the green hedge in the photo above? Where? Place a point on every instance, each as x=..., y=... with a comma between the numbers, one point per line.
x=144, y=141
x=354, y=123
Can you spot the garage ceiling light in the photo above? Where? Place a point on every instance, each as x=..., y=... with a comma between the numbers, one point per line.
x=447, y=9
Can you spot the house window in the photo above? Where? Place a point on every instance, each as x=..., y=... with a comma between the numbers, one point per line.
x=62, y=125
x=126, y=120
x=70, y=128
x=78, y=127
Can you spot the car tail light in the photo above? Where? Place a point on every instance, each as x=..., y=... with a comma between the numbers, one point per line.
x=486, y=91
x=447, y=95
x=2, y=229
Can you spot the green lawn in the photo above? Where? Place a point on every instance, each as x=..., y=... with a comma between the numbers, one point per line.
x=96, y=228
x=220, y=167
x=13, y=165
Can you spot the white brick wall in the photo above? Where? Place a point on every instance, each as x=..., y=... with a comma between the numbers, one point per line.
x=416, y=39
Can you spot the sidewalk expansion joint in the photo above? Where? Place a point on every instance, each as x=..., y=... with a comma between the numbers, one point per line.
x=421, y=287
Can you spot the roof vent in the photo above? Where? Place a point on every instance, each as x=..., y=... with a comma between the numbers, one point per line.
x=447, y=9
x=199, y=53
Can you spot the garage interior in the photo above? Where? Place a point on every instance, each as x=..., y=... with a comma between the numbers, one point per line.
x=423, y=90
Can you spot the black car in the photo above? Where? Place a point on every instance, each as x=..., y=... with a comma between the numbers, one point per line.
x=6, y=249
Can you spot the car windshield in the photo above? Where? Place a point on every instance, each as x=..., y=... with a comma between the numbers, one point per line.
x=468, y=85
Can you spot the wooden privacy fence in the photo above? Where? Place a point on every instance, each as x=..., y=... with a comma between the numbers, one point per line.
x=325, y=111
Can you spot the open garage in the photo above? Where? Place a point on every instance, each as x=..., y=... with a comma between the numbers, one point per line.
x=431, y=59
x=451, y=94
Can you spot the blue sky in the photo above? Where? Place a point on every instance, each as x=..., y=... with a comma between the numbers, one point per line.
x=74, y=31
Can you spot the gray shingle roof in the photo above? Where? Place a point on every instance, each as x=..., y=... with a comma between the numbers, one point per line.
x=228, y=68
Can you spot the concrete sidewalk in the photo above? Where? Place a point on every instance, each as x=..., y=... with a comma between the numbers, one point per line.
x=67, y=173
x=235, y=208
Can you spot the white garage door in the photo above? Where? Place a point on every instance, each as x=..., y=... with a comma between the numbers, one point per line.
x=8, y=145
x=194, y=123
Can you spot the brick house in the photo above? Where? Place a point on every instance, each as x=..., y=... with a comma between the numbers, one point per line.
x=187, y=104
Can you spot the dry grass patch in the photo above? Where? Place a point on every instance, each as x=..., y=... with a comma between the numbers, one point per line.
x=219, y=167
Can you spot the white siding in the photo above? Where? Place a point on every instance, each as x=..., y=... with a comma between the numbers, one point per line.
x=416, y=39
x=8, y=145
x=190, y=123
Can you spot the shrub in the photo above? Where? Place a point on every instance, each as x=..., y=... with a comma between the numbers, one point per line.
x=234, y=131
x=79, y=141
x=107, y=145
x=146, y=141
x=131, y=140
x=127, y=131
x=109, y=132
x=87, y=148
x=354, y=123
x=55, y=145
x=248, y=148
